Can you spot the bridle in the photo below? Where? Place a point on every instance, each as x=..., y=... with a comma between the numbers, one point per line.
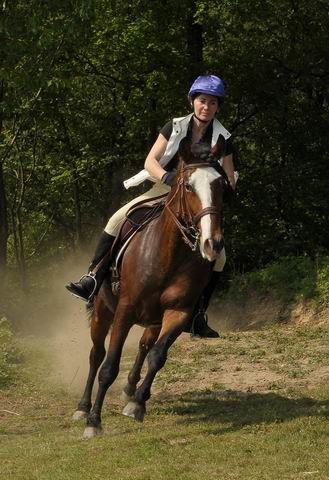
x=184, y=218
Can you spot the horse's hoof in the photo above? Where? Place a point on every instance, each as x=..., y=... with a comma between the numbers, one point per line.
x=126, y=398
x=134, y=410
x=79, y=414
x=91, y=432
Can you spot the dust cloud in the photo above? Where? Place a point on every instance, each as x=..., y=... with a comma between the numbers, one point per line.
x=57, y=321
x=70, y=346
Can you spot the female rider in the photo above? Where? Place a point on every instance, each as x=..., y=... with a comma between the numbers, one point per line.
x=205, y=97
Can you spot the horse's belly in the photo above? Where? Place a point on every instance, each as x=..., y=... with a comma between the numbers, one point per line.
x=148, y=325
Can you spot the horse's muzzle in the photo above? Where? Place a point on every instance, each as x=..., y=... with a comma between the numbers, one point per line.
x=212, y=248
x=219, y=245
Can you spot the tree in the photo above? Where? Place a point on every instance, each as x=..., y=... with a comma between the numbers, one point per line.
x=274, y=58
x=86, y=85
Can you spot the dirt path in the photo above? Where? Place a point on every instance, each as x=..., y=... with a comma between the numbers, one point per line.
x=246, y=358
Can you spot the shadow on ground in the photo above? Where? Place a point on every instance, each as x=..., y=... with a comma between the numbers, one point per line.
x=234, y=410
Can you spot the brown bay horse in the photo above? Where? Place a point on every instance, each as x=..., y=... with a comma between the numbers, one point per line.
x=164, y=271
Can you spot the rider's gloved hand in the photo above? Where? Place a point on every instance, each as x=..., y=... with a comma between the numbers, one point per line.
x=168, y=178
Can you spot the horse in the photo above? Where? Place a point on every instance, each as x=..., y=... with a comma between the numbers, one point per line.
x=164, y=270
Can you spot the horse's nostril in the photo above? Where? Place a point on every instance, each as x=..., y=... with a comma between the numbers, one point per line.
x=219, y=245
x=212, y=248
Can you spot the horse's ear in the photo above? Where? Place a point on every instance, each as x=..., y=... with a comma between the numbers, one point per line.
x=218, y=150
x=184, y=148
x=215, y=150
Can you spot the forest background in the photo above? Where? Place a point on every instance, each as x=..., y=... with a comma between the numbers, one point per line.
x=85, y=87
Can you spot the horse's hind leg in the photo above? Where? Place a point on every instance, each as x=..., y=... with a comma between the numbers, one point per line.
x=100, y=324
x=173, y=324
x=147, y=341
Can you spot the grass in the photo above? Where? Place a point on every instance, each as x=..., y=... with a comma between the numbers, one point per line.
x=197, y=427
x=256, y=436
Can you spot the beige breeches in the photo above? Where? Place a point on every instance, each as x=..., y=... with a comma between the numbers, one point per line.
x=114, y=223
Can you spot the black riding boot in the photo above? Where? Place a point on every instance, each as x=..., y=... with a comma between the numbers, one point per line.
x=200, y=327
x=88, y=285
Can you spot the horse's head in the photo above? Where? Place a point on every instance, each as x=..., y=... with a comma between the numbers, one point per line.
x=200, y=186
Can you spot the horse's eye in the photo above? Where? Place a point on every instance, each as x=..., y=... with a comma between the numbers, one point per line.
x=188, y=187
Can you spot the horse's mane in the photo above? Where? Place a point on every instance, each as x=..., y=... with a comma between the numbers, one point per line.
x=199, y=151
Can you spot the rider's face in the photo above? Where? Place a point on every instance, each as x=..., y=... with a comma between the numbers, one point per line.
x=205, y=107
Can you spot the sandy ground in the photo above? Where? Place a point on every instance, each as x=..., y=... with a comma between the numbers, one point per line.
x=70, y=345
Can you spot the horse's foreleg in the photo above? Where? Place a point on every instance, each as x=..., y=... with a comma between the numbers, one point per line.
x=100, y=324
x=172, y=327
x=147, y=341
x=122, y=323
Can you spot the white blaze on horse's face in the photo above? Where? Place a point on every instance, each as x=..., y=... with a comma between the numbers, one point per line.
x=201, y=181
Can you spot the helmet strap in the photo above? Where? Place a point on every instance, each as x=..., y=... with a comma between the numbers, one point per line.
x=202, y=121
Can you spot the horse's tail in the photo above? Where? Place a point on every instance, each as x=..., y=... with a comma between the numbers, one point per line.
x=90, y=311
x=100, y=309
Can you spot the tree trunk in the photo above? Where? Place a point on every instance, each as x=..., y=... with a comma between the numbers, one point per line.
x=3, y=207
x=77, y=207
x=21, y=250
x=194, y=37
x=72, y=155
x=3, y=224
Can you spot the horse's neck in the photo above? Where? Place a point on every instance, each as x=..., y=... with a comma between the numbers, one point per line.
x=176, y=255
x=170, y=233
x=167, y=224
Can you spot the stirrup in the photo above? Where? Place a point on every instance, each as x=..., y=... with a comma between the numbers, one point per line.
x=83, y=288
x=91, y=296
x=93, y=276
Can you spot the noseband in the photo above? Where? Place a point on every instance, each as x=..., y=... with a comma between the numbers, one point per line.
x=184, y=219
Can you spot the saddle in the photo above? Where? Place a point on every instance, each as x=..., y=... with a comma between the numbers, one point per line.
x=137, y=217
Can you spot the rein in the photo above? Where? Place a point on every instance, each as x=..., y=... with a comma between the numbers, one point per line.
x=190, y=232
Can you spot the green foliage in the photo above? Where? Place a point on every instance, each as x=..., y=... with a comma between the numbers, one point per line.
x=9, y=353
x=288, y=279
x=274, y=64
x=86, y=85
x=323, y=282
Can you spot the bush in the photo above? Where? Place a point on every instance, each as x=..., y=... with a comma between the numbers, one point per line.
x=323, y=282
x=9, y=353
x=288, y=280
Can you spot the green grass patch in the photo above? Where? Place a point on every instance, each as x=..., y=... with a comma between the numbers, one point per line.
x=200, y=428
x=288, y=280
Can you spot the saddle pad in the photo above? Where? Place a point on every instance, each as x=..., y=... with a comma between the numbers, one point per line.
x=136, y=219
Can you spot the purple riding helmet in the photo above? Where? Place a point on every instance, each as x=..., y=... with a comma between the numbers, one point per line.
x=209, y=84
